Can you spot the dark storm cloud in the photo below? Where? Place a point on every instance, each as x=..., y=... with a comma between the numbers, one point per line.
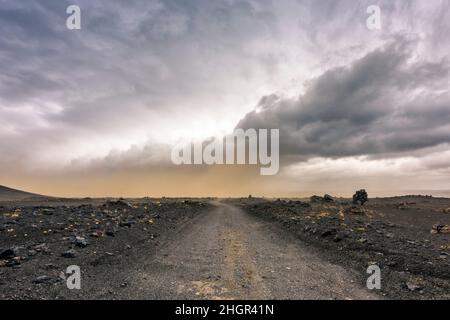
x=132, y=64
x=387, y=101
x=141, y=69
x=150, y=52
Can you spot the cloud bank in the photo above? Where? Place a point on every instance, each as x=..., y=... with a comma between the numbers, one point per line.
x=110, y=100
x=385, y=102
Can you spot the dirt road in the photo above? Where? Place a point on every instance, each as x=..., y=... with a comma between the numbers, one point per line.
x=228, y=254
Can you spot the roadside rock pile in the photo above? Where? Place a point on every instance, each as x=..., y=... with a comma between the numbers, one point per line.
x=325, y=198
x=360, y=197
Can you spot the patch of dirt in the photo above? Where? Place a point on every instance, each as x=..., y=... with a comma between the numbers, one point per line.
x=239, y=271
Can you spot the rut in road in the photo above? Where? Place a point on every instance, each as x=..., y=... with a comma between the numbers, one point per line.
x=228, y=254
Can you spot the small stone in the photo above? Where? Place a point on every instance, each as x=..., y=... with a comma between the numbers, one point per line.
x=440, y=228
x=42, y=248
x=390, y=224
x=8, y=254
x=50, y=266
x=126, y=224
x=14, y=262
x=47, y=212
x=42, y=279
x=392, y=263
x=328, y=233
x=96, y=234
x=69, y=254
x=413, y=286
x=81, y=242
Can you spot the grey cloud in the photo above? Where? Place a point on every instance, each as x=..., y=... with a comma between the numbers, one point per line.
x=132, y=62
x=150, y=156
x=384, y=102
x=154, y=52
x=136, y=64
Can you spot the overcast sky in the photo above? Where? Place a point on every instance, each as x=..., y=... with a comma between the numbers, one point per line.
x=95, y=111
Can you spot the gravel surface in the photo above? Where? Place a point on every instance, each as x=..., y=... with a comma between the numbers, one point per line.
x=229, y=249
x=398, y=234
x=105, y=238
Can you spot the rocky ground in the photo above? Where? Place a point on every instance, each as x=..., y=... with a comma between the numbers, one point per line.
x=407, y=237
x=164, y=248
x=40, y=238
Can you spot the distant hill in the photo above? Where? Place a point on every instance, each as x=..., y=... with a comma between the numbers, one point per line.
x=8, y=194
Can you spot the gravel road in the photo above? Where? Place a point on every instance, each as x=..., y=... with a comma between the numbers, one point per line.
x=227, y=254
